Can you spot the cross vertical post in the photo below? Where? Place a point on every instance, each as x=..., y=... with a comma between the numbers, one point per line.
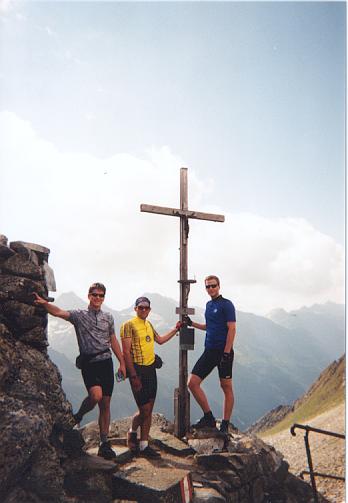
x=181, y=394
x=182, y=401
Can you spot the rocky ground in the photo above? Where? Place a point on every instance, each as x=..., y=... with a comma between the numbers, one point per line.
x=328, y=453
x=234, y=468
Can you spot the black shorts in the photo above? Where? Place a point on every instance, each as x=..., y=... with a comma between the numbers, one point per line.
x=148, y=377
x=100, y=374
x=210, y=359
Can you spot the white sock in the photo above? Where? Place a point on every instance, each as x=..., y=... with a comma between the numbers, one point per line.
x=143, y=444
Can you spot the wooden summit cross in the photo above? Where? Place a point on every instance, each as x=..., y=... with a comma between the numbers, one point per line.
x=182, y=397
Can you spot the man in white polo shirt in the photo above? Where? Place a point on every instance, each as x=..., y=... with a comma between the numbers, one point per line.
x=95, y=335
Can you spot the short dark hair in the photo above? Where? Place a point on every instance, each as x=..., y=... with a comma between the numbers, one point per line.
x=142, y=300
x=97, y=286
x=212, y=277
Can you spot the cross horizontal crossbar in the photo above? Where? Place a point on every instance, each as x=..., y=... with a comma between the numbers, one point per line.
x=176, y=212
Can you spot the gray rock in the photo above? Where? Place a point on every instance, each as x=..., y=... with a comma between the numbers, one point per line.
x=214, y=461
x=21, y=317
x=3, y=240
x=15, y=245
x=5, y=252
x=88, y=479
x=24, y=428
x=19, y=265
x=206, y=446
x=49, y=277
x=20, y=288
x=25, y=252
x=169, y=443
x=148, y=486
x=36, y=337
x=45, y=477
x=207, y=495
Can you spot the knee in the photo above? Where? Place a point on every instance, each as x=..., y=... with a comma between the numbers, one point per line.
x=96, y=398
x=193, y=383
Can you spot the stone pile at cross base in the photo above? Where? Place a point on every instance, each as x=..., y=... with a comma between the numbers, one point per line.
x=43, y=460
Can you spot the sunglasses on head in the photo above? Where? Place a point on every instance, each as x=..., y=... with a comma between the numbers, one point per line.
x=211, y=286
x=100, y=295
x=143, y=308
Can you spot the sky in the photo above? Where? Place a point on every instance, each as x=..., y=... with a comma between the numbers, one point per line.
x=102, y=103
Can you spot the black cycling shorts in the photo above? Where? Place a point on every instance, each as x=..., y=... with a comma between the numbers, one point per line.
x=100, y=373
x=210, y=359
x=148, y=377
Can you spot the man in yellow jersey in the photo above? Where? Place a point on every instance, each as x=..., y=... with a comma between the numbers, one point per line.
x=138, y=342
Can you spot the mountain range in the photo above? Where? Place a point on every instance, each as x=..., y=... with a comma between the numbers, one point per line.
x=276, y=357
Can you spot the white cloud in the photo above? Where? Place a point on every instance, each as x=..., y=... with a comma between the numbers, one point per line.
x=87, y=211
x=6, y=5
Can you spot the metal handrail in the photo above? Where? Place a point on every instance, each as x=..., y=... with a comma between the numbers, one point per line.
x=311, y=472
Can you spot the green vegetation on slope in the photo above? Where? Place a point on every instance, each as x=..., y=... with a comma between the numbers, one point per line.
x=327, y=392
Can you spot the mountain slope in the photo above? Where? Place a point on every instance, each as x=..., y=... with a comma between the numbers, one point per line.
x=325, y=393
x=323, y=407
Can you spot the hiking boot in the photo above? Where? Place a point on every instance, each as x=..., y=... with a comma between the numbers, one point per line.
x=105, y=451
x=73, y=421
x=224, y=427
x=205, y=422
x=77, y=420
x=132, y=441
x=148, y=452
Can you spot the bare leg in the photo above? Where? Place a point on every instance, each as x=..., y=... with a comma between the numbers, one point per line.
x=146, y=418
x=88, y=404
x=194, y=385
x=104, y=416
x=136, y=421
x=226, y=385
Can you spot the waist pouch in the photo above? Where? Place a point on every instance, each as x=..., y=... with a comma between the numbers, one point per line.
x=147, y=369
x=84, y=358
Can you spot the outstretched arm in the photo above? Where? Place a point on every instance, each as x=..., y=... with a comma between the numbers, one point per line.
x=161, y=339
x=187, y=320
x=201, y=326
x=51, y=308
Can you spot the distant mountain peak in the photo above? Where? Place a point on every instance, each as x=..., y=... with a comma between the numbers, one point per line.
x=69, y=300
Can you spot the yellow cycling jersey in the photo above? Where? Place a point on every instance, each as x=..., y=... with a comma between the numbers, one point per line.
x=143, y=336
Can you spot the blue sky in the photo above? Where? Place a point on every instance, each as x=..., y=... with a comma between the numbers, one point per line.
x=249, y=96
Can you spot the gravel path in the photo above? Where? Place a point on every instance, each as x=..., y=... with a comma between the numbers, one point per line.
x=328, y=453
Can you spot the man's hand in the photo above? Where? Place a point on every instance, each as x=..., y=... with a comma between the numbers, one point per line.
x=226, y=358
x=135, y=383
x=179, y=325
x=39, y=301
x=122, y=370
x=187, y=320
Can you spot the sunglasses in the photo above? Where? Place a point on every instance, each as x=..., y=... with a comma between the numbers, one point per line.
x=143, y=308
x=211, y=286
x=100, y=295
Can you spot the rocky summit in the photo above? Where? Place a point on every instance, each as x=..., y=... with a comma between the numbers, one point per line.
x=43, y=460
